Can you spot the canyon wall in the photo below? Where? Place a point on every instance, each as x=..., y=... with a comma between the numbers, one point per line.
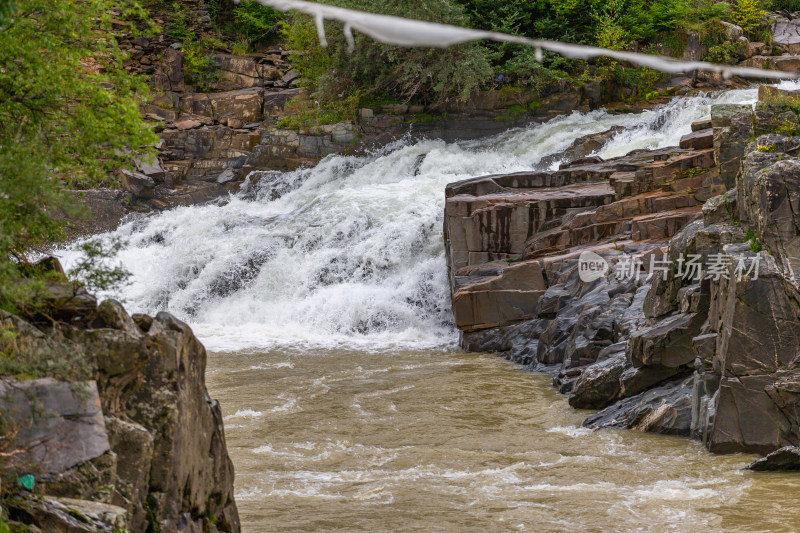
x=655, y=343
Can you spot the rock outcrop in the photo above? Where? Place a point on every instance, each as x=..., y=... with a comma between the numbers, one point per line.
x=122, y=434
x=660, y=287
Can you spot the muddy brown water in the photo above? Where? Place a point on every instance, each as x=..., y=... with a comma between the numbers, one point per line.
x=339, y=440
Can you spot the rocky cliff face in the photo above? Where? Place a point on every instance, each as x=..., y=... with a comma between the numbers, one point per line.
x=125, y=435
x=712, y=355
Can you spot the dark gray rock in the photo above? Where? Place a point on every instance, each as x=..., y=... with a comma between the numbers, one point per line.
x=60, y=424
x=635, y=380
x=65, y=515
x=784, y=459
x=747, y=419
x=666, y=409
x=599, y=384
x=668, y=342
x=138, y=184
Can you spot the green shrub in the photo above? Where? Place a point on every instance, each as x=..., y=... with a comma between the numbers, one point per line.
x=241, y=47
x=256, y=22
x=748, y=14
x=198, y=66
x=73, y=128
x=304, y=114
x=179, y=27
x=727, y=53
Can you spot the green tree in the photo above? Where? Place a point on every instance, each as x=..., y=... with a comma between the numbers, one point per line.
x=430, y=76
x=68, y=117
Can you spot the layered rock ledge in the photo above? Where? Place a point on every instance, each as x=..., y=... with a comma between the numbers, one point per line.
x=712, y=355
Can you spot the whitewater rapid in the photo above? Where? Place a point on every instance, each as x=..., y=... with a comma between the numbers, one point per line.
x=348, y=253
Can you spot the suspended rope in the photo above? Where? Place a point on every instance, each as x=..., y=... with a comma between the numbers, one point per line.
x=400, y=31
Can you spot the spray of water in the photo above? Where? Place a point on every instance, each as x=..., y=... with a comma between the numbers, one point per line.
x=348, y=253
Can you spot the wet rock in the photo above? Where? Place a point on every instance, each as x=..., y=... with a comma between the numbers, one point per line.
x=769, y=198
x=666, y=409
x=594, y=330
x=497, y=294
x=599, y=383
x=663, y=295
x=635, y=380
x=733, y=127
x=784, y=459
x=698, y=140
x=757, y=321
x=519, y=341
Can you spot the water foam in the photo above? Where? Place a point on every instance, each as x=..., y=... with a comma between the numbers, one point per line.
x=348, y=253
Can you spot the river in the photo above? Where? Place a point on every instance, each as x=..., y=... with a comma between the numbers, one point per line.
x=322, y=297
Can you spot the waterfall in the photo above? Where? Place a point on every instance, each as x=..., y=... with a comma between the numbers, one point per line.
x=348, y=253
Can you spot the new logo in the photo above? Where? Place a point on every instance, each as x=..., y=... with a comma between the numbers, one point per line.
x=591, y=267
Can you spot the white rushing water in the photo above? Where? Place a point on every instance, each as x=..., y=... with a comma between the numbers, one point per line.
x=348, y=253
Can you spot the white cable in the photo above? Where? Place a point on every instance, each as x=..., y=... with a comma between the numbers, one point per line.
x=408, y=32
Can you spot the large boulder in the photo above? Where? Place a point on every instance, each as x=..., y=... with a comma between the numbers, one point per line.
x=746, y=419
x=599, y=384
x=58, y=425
x=733, y=128
x=497, y=294
x=756, y=317
x=145, y=436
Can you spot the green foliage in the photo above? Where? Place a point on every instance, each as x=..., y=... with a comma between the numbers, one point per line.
x=63, y=119
x=788, y=5
x=303, y=114
x=425, y=75
x=257, y=22
x=748, y=14
x=728, y=53
x=95, y=270
x=247, y=21
x=179, y=27
x=754, y=239
x=198, y=65
x=240, y=47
